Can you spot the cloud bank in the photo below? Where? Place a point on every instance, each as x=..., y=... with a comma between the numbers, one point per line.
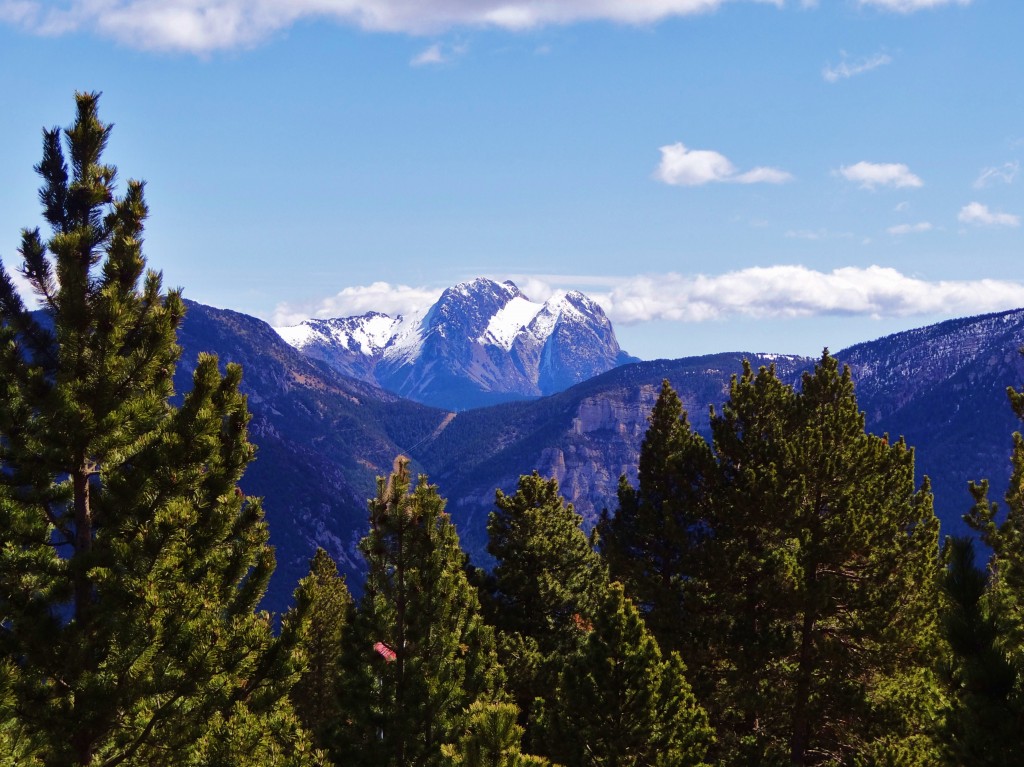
x=772, y=292
x=202, y=26
x=796, y=291
x=871, y=175
x=349, y=302
x=681, y=166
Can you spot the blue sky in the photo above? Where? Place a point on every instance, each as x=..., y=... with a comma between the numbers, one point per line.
x=719, y=174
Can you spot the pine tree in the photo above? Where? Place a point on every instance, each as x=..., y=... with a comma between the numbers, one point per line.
x=131, y=563
x=418, y=652
x=824, y=565
x=982, y=724
x=1006, y=539
x=999, y=709
x=619, y=704
x=654, y=541
x=492, y=738
x=546, y=571
x=323, y=597
x=546, y=583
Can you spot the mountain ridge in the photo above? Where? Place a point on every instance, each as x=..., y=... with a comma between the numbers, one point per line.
x=482, y=342
x=323, y=437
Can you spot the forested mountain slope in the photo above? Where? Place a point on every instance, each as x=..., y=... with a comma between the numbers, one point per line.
x=324, y=437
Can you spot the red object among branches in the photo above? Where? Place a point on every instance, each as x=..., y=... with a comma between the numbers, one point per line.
x=385, y=652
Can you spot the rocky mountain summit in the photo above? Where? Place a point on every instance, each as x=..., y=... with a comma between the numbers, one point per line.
x=481, y=343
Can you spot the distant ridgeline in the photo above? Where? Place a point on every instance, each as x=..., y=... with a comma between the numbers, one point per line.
x=323, y=437
x=481, y=343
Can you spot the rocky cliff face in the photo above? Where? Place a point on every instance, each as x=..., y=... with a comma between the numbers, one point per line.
x=586, y=437
x=483, y=342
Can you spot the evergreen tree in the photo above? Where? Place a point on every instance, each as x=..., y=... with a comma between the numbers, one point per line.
x=323, y=597
x=418, y=653
x=984, y=719
x=545, y=585
x=818, y=577
x=492, y=738
x=1006, y=539
x=619, y=704
x=546, y=571
x=824, y=565
x=131, y=563
x=998, y=709
x=654, y=541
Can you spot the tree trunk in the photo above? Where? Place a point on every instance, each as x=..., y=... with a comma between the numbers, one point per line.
x=800, y=736
x=83, y=540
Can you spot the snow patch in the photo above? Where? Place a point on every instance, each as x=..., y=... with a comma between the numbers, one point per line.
x=375, y=332
x=509, y=321
x=407, y=342
x=297, y=335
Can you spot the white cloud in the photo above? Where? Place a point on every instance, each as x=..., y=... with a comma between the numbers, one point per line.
x=847, y=69
x=796, y=291
x=902, y=207
x=18, y=12
x=201, y=26
x=680, y=166
x=980, y=215
x=870, y=175
x=352, y=301
x=1004, y=173
x=770, y=292
x=909, y=6
x=922, y=226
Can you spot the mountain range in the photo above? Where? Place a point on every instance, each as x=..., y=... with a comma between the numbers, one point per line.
x=482, y=342
x=323, y=436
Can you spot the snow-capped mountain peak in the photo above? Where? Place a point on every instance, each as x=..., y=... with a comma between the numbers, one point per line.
x=482, y=341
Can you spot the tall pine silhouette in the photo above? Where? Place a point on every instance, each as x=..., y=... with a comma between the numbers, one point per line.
x=655, y=541
x=418, y=652
x=825, y=565
x=546, y=584
x=131, y=563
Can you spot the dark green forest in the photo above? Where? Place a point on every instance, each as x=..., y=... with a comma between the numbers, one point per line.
x=776, y=595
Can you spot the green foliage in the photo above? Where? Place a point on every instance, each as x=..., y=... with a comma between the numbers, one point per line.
x=420, y=605
x=831, y=599
x=824, y=569
x=130, y=562
x=1006, y=539
x=796, y=568
x=545, y=587
x=546, y=571
x=492, y=738
x=654, y=542
x=323, y=598
x=987, y=627
x=982, y=723
x=619, y=704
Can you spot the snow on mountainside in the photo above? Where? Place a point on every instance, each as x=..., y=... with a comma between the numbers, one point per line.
x=483, y=342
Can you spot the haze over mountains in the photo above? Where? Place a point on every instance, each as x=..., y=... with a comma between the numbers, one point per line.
x=324, y=435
